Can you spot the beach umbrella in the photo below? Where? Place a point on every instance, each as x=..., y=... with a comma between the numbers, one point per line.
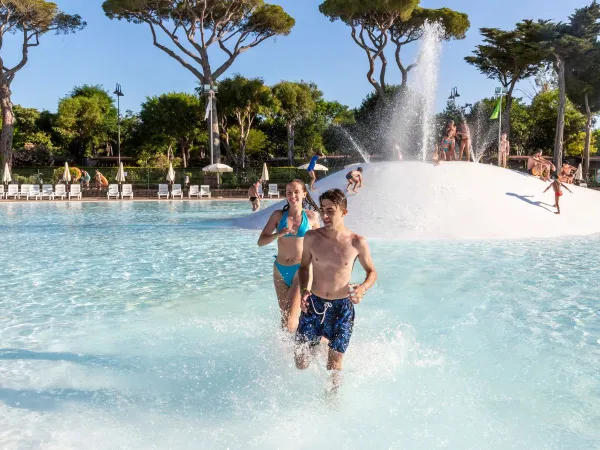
x=120, y=174
x=579, y=173
x=317, y=167
x=171, y=173
x=66, y=174
x=6, y=178
x=218, y=168
x=265, y=173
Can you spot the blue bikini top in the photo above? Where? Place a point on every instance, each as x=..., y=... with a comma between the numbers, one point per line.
x=302, y=229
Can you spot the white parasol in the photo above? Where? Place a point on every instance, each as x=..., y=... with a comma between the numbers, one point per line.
x=317, y=167
x=66, y=174
x=218, y=168
x=6, y=178
x=171, y=173
x=265, y=173
x=579, y=173
x=120, y=174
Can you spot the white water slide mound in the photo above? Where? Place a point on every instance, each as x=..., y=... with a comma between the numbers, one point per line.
x=455, y=200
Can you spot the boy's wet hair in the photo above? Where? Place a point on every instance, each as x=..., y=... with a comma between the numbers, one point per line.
x=335, y=196
x=360, y=169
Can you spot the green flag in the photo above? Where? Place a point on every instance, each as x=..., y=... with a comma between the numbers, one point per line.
x=496, y=112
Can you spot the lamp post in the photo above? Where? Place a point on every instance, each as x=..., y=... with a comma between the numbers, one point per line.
x=119, y=94
x=500, y=92
x=210, y=90
x=454, y=95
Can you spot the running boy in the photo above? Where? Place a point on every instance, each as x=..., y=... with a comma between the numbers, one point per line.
x=328, y=308
x=557, y=192
x=354, y=176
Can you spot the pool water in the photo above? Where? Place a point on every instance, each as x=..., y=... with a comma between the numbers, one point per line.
x=154, y=325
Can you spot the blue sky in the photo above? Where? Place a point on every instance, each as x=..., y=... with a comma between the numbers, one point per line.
x=107, y=52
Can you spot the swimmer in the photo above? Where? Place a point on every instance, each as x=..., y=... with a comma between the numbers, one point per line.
x=288, y=226
x=311, y=170
x=556, y=184
x=354, y=176
x=328, y=307
x=254, y=197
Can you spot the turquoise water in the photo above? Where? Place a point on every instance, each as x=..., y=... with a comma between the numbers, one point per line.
x=154, y=325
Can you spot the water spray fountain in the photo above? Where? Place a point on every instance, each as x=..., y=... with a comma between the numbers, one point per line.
x=413, y=117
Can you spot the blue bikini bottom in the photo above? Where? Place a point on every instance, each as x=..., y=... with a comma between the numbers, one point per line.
x=287, y=272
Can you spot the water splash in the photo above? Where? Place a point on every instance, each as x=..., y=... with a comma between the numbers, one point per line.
x=412, y=125
x=482, y=134
x=365, y=156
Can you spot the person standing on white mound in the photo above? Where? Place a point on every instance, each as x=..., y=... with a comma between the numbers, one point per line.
x=557, y=193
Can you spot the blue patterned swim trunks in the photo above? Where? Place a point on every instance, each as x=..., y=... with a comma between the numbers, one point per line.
x=332, y=319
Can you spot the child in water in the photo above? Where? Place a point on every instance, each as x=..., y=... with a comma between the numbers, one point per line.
x=556, y=185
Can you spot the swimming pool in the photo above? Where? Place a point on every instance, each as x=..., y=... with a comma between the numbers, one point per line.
x=153, y=325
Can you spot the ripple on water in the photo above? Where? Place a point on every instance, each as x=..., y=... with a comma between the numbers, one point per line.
x=154, y=325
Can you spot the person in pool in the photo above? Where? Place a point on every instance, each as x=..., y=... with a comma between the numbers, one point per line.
x=328, y=307
x=311, y=170
x=288, y=227
x=253, y=196
x=556, y=185
x=354, y=176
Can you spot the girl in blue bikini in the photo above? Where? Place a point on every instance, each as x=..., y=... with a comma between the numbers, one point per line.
x=288, y=226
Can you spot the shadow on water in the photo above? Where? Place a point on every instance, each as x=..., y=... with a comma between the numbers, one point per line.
x=219, y=383
x=525, y=198
x=52, y=399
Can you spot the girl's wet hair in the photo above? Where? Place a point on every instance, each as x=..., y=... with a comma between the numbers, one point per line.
x=308, y=201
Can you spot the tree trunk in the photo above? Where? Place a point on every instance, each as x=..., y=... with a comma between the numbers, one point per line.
x=215, y=134
x=290, y=133
x=8, y=126
x=588, y=139
x=183, y=155
x=559, y=66
x=242, y=145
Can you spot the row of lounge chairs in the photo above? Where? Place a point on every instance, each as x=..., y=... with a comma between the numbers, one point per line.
x=176, y=191
x=60, y=191
x=33, y=191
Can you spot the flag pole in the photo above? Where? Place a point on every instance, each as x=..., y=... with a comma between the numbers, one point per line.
x=211, y=125
x=499, y=128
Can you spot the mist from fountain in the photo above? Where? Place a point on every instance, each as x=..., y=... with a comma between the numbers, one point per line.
x=414, y=112
x=365, y=156
x=482, y=134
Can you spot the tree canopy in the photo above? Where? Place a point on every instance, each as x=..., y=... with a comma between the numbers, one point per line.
x=373, y=24
x=194, y=26
x=30, y=19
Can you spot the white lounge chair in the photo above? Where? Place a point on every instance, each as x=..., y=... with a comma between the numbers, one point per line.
x=47, y=191
x=2, y=191
x=163, y=189
x=127, y=191
x=75, y=191
x=34, y=191
x=60, y=190
x=13, y=191
x=113, y=191
x=273, y=191
x=24, y=191
x=176, y=190
x=261, y=193
x=194, y=190
x=205, y=191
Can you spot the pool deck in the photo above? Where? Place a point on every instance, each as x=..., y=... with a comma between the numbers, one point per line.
x=141, y=199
